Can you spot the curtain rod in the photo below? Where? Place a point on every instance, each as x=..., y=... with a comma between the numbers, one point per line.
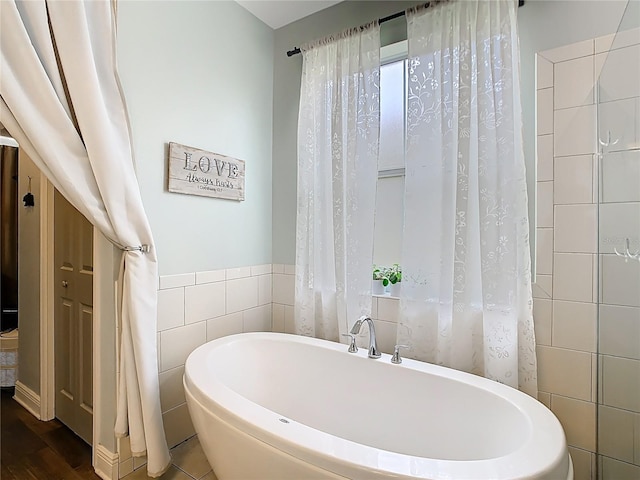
x=296, y=50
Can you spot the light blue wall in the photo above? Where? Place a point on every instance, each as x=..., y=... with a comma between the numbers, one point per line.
x=200, y=73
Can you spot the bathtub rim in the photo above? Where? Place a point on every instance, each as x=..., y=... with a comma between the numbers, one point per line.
x=304, y=442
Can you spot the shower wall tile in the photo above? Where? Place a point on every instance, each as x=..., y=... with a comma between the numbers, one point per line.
x=210, y=276
x=573, y=277
x=616, y=432
x=544, y=171
x=289, y=325
x=235, y=273
x=264, y=289
x=564, y=372
x=621, y=383
x=621, y=176
x=176, y=344
x=574, y=131
x=584, y=463
x=544, y=201
x=544, y=72
x=257, y=319
x=578, y=418
x=618, y=470
x=575, y=325
x=620, y=39
x=545, y=399
x=204, y=301
x=174, y=281
x=171, y=389
x=283, y=289
x=277, y=317
x=242, y=294
x=543, y=286
x=620, y=281
x=620, y=76
x=620, y=331
x=224, y=325
x=617, y=125
x=544, y=251
x=545, y=111
x=177, y=425
x=573, y=84
x=542, y=320
x=576, y=228
x=569, y=52
x=260, y=270
x=170, y=308
x=619, y=222
x=573, y=180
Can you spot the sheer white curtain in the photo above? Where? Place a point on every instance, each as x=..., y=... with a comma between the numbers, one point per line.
x=466, y=296
x=338, y=131
x=60, y=99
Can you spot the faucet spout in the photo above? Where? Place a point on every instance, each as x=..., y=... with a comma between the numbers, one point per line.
x=373, y=344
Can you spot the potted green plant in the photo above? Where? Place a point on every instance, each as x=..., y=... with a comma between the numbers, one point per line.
x=379, y=279
x=394, y=274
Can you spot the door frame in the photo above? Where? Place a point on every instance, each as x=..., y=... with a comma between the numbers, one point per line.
x=104, y=461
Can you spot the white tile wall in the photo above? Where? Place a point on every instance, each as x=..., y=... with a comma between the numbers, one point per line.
x=564, y=372
x=620, y=77
x=544, y=170
x=204, y=301
x=544, y=251
x=620, y=281
x=545, y=111
x=544, y=203
x=573, y=82
x=573, y=180
x=575, y=228
x=578, y=419
x=616, y=434
x=575, y=131
x=565, y=299
x=621, y=177
x=617, y=125
x=199, y=307
x=242, y=293
x=569, y=52
x=170, y=308
x=621, y=383
x=177, y=343
x=542, y=313
x=574, y=325
x=573, y=277
x=544, y=72
x=620, y=331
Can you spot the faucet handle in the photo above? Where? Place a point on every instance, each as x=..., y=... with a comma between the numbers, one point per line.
x=352, y=345
x=395, y=358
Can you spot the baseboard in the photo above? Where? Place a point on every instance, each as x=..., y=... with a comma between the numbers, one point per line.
x=105, y=463
x=28, y=399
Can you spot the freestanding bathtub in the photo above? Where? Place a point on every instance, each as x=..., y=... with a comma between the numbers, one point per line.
x=286, y=407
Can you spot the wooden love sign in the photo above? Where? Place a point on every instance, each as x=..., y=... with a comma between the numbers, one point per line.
x=197, y=172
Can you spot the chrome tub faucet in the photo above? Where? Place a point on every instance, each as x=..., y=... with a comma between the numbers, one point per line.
x=373, y=345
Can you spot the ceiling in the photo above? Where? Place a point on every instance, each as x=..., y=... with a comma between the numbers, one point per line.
x=278, y=13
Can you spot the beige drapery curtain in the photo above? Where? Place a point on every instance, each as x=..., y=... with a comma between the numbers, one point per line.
x=60, y=99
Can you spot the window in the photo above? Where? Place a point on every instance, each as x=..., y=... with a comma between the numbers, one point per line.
x=389, y=218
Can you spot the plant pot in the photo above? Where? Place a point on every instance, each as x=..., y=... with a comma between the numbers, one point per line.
x=394, y=289
x=377, y=288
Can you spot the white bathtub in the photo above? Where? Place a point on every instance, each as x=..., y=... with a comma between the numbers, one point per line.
x=276, y=406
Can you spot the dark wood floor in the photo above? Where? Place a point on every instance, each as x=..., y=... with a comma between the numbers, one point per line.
x=35, y=450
